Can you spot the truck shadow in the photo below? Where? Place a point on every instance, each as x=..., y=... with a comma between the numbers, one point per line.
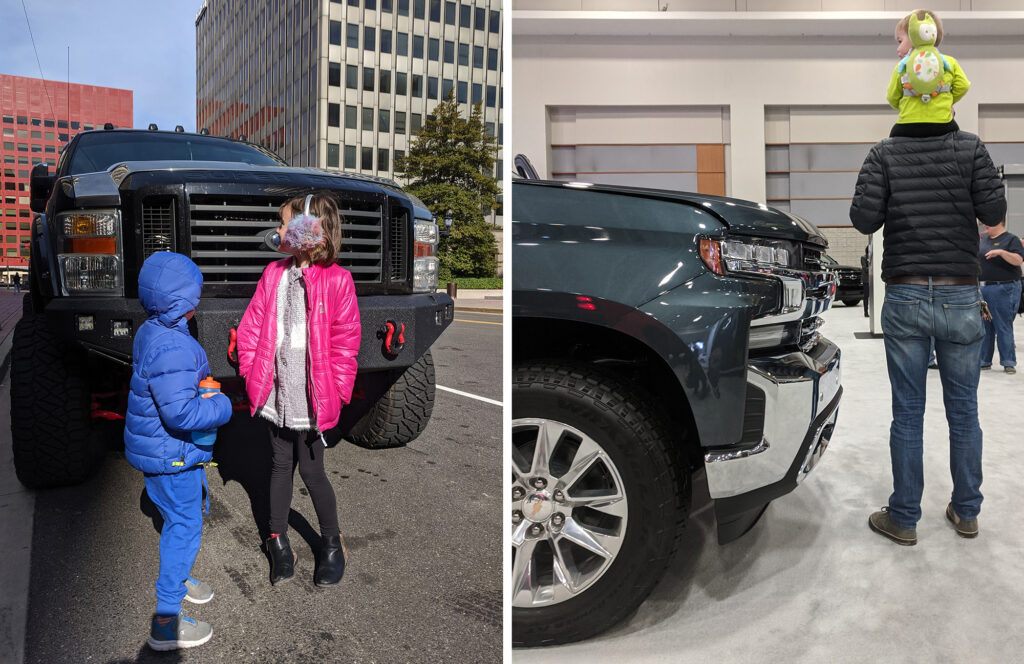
x=242, y=454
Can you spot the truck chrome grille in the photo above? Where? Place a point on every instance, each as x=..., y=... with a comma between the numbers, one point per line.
x=157, y=225
x=227, y=234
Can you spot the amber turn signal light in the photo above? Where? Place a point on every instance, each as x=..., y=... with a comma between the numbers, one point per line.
x=711, y=254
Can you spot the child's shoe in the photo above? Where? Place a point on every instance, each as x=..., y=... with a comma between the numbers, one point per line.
x=174, y=632
x=199, y=592
x=330, y=561
x=282, y=559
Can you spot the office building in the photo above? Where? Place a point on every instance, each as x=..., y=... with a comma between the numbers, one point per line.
x=39, y=117
x=344, y=84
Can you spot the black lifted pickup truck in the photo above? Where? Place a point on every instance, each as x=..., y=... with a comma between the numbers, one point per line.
x=120, y=195
x=655, y=334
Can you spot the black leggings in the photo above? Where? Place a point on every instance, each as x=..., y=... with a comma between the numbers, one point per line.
x=306, y=445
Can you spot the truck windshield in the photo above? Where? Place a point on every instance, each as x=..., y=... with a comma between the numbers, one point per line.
x=98, y=151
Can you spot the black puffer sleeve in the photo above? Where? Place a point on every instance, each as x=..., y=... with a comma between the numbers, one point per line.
x=871, y=196
x=986, y=188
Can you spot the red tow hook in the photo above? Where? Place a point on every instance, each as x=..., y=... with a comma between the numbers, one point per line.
x=233, y=345
x=392, y=346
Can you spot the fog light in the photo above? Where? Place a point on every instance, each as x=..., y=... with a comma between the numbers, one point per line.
x=122, y=328
x=84, y=323
x=438, y=316
x=450, y=312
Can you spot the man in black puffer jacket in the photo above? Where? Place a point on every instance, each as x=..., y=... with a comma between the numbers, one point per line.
x=926, y=187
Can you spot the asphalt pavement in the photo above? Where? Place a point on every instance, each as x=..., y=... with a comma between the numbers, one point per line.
x=422, y=524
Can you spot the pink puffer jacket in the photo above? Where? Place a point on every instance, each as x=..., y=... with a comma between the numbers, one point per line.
x=332, y=320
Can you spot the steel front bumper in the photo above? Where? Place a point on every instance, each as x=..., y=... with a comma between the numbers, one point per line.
x=425, y=317
x=802, y=393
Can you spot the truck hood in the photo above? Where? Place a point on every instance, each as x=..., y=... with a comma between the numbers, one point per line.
x=740, y=216
x=102, y=188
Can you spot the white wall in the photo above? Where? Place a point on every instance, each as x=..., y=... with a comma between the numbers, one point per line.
x=776, y=66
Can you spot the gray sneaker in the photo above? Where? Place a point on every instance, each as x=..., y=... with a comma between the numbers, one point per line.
x=964, y=527
x=882, y=523
x=199, y=592
x=1009, y=370
x=180, y=631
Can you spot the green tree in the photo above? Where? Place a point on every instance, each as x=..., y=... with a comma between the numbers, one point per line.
x=449, y=167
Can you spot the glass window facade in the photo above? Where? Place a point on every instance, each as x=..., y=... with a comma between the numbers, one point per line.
x=398, y=58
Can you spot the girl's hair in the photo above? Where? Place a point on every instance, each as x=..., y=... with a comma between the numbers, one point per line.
x=903, y=27
x=323, y=207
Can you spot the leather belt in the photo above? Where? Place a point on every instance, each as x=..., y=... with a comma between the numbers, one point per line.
x=934, y=281
x=996, y=283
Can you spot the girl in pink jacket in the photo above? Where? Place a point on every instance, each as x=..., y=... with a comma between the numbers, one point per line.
x=297, y=348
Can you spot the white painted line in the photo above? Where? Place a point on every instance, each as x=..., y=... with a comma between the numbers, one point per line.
x=471, y=396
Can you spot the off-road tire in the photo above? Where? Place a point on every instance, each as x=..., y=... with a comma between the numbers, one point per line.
x=402, y=413
x=50, y=422
x=619, y=417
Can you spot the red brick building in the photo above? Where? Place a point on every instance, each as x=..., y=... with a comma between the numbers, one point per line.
x=38, y=120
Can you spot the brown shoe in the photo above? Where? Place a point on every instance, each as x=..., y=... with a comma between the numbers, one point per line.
x=964, y=527
x=882, y=523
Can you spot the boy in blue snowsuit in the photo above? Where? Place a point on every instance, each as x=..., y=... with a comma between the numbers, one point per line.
x=164, y=408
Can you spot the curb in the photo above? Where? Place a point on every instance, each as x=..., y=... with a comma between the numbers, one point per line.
x=5, y=352
x=482, y=310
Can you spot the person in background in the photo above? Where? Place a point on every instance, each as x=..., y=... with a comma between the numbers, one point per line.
x=1001, y=255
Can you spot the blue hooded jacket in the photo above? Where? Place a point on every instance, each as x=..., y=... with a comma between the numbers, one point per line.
x=164, y=405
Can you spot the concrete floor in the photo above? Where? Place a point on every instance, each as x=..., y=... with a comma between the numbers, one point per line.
x=811, y=582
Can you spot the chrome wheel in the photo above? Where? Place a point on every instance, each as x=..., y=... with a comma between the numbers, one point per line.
x=569, y=512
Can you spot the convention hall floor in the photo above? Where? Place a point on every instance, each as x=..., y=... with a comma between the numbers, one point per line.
x=811, y=583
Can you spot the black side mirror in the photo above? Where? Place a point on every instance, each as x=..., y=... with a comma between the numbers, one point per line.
x=524, y=168
x=40, y=187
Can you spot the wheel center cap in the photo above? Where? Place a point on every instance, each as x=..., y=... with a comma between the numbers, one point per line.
x=537, y=507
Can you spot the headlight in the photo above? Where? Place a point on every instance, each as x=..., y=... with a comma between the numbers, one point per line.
x=742, y=255
x=90, y=274
x=424, y=265
x=91, y=261
x=757, y=257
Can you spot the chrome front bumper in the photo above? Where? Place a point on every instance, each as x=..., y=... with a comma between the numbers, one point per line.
x=802, y=393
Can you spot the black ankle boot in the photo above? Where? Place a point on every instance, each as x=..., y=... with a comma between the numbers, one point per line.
x=282, y=560
x=330, y=561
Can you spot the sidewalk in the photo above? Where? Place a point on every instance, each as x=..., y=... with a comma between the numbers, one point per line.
x=10, y=311
x=17, y=505
x=484, y=301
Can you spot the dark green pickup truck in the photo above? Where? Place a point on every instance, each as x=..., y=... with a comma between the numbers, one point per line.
x=655, y=334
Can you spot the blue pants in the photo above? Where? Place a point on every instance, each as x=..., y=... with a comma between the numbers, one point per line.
x=179, y=497
x=1002, y=302
x=952, y=315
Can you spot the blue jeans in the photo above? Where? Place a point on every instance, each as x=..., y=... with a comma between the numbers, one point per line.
x=179, y=497
x=1002, y=301
x=911, y=316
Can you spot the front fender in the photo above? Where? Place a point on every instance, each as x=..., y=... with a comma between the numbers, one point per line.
x=699, y=329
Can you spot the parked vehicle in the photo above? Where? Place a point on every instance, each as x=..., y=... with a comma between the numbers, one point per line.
x=850, y=288
x=655, y=334
x=120, y=195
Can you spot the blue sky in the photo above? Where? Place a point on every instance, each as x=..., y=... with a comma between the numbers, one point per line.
x=147, y=46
